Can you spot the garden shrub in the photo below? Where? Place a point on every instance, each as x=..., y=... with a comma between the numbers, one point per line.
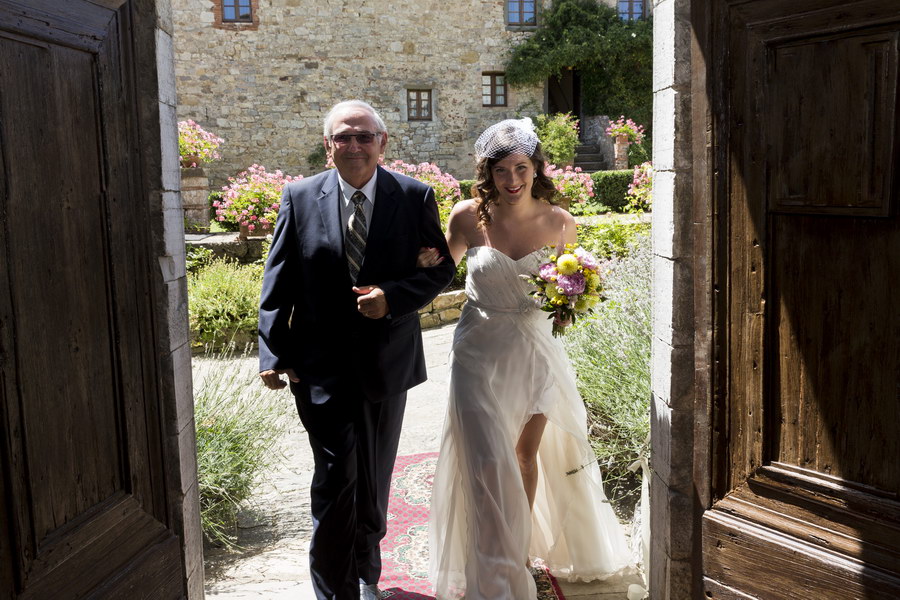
x=610, y=188
x=196, y=257
x=239, y=424
x=559, y=137
x=610, y=351
x=614, y=58
x=465, y=188
x=611, y=239
x=223, y=303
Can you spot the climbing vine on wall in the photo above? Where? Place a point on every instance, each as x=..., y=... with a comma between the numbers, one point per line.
x=613, y=57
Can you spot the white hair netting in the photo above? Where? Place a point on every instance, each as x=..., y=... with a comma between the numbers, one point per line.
x=512, y=136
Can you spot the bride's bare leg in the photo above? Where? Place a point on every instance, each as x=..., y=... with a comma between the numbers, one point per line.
x=526, y=451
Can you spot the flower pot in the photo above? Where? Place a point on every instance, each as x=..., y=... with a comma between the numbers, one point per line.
x=261, y=230
x=190, y=162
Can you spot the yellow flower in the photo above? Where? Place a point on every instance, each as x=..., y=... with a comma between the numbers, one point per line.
x=567, y=264
x=552, y=293
x=591, y=280
x=582, y=304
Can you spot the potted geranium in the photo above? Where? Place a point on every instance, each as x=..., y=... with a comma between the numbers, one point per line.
x=196, y=145
x=252, y=199
x=625, y=131
x=573, y=185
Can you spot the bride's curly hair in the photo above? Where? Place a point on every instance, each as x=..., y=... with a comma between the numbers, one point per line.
x=486, y=194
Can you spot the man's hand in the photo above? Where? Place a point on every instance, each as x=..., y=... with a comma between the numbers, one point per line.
x=272, y=380
x=371, y=302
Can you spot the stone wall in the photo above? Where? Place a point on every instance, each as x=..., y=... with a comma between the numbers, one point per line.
x=444, y=309
x=266, y=88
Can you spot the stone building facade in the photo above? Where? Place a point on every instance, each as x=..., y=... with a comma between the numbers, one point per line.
x=265, y=86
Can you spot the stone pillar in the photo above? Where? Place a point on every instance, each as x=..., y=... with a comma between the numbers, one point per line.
x=195, y=199
x=155, y=69
x=621, y=161
x=675, y=563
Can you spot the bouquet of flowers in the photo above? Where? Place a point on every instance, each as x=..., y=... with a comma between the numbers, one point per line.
x=568, y=284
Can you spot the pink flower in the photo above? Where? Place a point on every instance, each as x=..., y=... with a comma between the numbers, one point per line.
x=571, y=285
x=587, y=260
x=548, y=271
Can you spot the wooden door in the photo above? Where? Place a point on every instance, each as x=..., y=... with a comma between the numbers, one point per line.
x=82, y=487
x=564, y=93
x=806, y=417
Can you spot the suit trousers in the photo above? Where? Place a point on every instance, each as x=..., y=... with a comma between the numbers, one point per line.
x=354, y=442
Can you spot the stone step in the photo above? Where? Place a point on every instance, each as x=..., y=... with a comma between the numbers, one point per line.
x=592, y=157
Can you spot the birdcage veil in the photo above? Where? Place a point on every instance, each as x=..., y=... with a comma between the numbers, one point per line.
x=512, y=136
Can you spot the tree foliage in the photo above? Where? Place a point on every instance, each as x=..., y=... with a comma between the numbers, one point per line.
x=613, y=57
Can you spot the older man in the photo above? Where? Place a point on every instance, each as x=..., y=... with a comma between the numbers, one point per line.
x=338, y=316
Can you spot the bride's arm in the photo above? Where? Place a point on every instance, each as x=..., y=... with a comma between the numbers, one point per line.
x=460, y=227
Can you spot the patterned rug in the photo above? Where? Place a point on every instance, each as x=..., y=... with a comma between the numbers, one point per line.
x=404, y=550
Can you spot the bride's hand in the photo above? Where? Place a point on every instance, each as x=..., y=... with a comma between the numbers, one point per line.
x=428, y=257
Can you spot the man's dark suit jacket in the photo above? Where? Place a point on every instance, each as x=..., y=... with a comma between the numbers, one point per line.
x=308, y=319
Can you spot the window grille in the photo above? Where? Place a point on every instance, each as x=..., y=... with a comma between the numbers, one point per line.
x=521, y=12
x=493, y=89
x=418, y=105
x=236, y=11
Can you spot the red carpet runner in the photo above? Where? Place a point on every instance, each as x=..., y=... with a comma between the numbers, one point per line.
x=404, y=550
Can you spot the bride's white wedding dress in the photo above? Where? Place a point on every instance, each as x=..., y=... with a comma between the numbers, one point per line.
x=505, y=367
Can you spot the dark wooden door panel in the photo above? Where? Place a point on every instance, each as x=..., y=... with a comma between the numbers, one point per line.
x=83, y=480
x=836, y=332
x=806, y=476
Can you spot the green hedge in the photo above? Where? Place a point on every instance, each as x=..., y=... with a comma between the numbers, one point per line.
x=611, y=187
x=465, y=187
x=223, y=303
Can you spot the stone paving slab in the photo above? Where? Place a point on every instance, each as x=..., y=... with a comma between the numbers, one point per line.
x=274, y=532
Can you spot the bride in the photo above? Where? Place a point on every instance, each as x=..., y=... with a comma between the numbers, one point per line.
x=516, y=477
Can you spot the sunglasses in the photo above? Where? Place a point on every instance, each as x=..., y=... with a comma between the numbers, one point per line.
x=344, y=139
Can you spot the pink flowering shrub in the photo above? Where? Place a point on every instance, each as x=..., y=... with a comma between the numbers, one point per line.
x=571, y=183
x=626, y=127
x=640, y=191
x=196, y=144
x=446, y=187
x=253, y=197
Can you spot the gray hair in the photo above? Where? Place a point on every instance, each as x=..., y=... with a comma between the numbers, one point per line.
x=346, y=104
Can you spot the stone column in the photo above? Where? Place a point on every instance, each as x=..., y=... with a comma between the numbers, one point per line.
x=155, y=69
x=675, y=563
x=621, y=161
x=195, y=199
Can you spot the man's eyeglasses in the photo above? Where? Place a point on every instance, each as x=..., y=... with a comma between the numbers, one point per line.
x=344, y=139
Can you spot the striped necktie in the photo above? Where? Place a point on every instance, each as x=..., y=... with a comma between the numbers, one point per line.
x=355, y=239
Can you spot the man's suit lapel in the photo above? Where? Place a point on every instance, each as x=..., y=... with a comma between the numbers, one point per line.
x=328, y=202
x=386, y=201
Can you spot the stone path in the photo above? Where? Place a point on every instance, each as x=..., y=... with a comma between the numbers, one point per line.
x=275, y=532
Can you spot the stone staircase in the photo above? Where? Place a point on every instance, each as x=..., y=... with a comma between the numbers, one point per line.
x=590, y=158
